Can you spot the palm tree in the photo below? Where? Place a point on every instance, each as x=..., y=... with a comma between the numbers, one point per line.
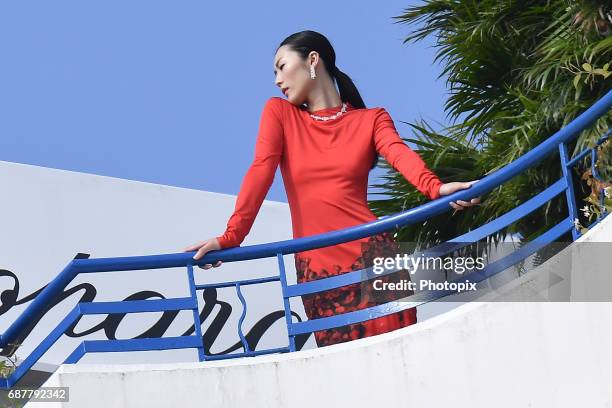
x=518, y=71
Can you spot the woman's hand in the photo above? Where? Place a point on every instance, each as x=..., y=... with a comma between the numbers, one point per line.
x=450, y=188
x=203, y=247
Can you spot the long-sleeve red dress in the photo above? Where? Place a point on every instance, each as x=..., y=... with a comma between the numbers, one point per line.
x=325, y=166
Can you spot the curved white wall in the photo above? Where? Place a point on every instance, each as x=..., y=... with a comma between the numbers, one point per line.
x=481, y=354
x=48, y=215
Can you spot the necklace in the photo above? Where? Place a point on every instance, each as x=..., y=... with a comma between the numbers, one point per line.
x=330, y=117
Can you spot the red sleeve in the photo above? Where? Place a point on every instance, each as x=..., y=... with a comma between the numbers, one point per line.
x=405, y=160
x=259, y=177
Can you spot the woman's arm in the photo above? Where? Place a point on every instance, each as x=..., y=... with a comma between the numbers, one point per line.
x=259, y=177
x=405, y=160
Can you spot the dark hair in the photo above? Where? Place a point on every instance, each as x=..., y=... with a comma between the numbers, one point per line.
x=304, y=42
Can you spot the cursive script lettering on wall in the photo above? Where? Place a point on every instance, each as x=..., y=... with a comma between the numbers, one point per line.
x=9, y=298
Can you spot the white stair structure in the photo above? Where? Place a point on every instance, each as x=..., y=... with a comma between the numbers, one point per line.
x=514, y=351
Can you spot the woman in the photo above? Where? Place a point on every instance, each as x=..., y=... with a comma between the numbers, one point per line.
x=326, y=142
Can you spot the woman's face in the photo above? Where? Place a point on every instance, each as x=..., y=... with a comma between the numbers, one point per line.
x=292, y=75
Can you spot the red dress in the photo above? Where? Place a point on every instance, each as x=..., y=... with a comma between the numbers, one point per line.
x=325, y=167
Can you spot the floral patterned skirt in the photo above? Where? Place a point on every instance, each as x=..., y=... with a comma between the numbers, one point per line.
x=355, y=296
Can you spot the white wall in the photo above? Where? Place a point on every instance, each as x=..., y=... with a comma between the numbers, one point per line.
x=47, y=216
x=481, y=354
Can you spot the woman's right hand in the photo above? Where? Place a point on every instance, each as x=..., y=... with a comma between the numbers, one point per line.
x=203, y=247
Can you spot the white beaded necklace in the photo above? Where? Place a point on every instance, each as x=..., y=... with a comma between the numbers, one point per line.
x=330, y=117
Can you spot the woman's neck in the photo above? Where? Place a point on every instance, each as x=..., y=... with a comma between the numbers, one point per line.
x=324, y=100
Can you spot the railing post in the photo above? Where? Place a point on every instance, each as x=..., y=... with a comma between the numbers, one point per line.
x=569, y=191
x=245, y=344
x=196, y=312
x=595, y=173
x=287, y=305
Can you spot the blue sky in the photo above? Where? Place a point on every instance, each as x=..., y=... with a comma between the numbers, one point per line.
x=171, y=92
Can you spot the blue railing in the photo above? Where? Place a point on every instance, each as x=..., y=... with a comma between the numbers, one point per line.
x=36, y=309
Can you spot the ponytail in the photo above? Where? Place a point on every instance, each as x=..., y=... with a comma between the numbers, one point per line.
x=349, y=92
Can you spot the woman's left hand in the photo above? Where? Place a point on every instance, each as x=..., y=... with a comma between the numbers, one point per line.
x=450, y=188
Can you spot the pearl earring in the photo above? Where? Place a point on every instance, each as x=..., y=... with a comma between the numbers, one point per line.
x=312, y=72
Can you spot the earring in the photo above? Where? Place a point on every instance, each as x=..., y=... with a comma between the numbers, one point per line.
x=312, y=72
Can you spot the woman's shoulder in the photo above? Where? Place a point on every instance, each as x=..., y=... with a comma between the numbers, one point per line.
x=274, y=107
x=379, y=113
x=280, y=104
x=277, y=102
x=377, y=110
x=374, y=113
